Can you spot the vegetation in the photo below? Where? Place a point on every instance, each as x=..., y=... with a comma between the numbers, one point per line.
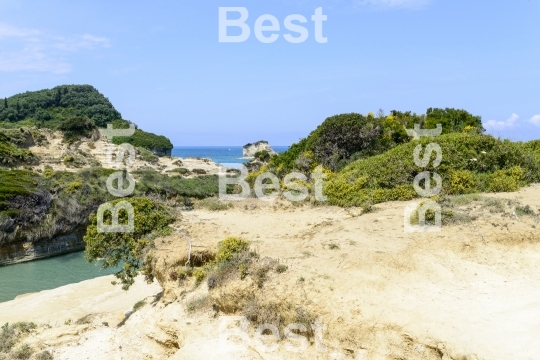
x=344, y=138
x=141, y=139
x=50, y=107
x=262, y=155
x=11, y=153
x=11, y=334
x=74, y=109
x=230, y=246
x=76, y=127
x=470, y=163
x=152, y=182
x=147, y=155
x=129, y=248
x=213, y=204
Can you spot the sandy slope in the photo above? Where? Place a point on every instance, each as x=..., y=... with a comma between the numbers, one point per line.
x=471, y=290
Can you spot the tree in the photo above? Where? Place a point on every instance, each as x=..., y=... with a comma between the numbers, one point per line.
x=452, y=120
x=128, y=249
x=5, y=103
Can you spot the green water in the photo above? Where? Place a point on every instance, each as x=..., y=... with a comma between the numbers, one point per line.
x=46, y=274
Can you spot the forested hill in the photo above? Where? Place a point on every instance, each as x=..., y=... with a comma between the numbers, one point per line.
x=68, y=106
x=47, y=108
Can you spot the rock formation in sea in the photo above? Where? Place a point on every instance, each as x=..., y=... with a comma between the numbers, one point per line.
x=249, y=150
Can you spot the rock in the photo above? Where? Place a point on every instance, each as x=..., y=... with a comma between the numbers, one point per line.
x=249, y=150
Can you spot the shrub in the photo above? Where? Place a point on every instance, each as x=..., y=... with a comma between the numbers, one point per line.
x=23, y=352
x=199, y=275
x=138, y=305
x=150, y=218
x=76, y=127
x=228, y=247
x=262, y=155
x=75, y=185
x=69, y=160
x=152, y=182
x=199, y=171
x=492, y=164
x=182, y=171
x=144, y=140
x=281, y=268
x=462, y=182
x=213, y=204
x=524, y=210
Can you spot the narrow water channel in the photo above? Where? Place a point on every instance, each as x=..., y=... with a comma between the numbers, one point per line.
x=46, y=274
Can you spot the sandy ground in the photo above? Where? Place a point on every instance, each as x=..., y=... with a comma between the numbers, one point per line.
x=74, y=301
x=470, y=290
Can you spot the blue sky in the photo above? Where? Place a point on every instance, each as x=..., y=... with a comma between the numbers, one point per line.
x=162, y=66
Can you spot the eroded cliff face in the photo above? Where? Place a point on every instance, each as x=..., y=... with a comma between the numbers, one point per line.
x=249, y=150
x=17, y=252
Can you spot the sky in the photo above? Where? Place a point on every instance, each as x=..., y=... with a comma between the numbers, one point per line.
x=163, y=67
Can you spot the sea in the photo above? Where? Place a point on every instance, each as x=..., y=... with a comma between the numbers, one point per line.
x=228, y=156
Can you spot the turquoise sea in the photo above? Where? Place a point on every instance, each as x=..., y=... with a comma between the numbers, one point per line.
x=50, y=273
x=229, y=156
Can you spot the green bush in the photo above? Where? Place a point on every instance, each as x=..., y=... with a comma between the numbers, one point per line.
x=147, y=155
x=76, y=127
x=491, y=164
x=144, y=140
x=213, y=204
x=114, y=248
x=182, y=171
x=230, y=246
x=23, y=352
x=461, y=182
x=152, y=182
x=262, y=155
x=452, y=120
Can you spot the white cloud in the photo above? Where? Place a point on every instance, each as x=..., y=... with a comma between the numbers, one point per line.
x=500, y=125
x=24, y=49
x=11, y=31
x=535, y=120
x=393, y=3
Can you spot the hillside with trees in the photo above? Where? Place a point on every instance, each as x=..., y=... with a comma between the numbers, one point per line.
x=74, y=109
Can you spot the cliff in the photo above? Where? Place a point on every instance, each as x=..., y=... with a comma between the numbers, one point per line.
x=249, y=150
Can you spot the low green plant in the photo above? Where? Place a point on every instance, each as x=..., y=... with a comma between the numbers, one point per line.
x=23, y=352
x=228, y=247
x=199, y=274
x=281, y=268
x=213, y=204
x=85, y=320
x=524, y=210
x=138, y=305
x=199, y=171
